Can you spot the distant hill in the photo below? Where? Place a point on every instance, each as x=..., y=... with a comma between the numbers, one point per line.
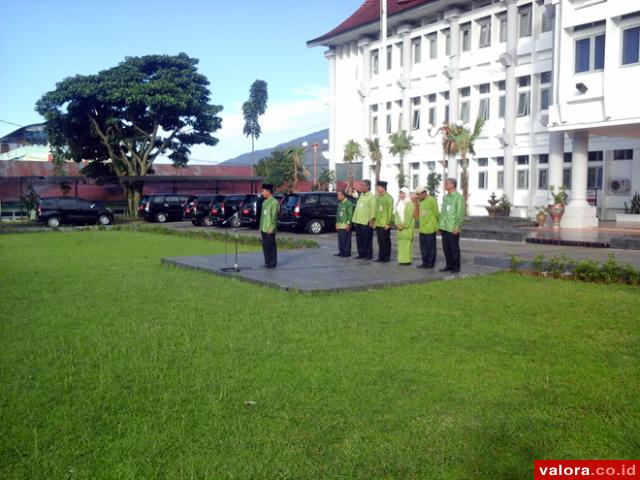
x=246, y=158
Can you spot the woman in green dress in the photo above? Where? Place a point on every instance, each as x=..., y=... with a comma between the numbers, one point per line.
x=405, y=224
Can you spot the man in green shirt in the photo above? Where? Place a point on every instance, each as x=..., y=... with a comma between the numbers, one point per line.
x=426, y=212
x=344, y=216
x=363, y=221
x=268, y=226
x=383, y=221
x=451, y=218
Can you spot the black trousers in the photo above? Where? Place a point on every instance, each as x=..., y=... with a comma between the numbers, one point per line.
x=451, y=249
x=384, y=244
x=364, y=240
x=269, y=249
x=344, y=242
x=428, y=249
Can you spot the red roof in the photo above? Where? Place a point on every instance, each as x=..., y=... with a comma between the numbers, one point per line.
x=369, y=12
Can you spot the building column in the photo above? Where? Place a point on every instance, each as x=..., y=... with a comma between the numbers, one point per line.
x=364, y=49
x=404, y=81
x=578, y=213
x=452, y=17
x=509, y=59
x=333, y=147
x=556, y=159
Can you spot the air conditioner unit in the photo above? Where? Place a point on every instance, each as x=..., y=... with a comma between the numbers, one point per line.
x=619, y=185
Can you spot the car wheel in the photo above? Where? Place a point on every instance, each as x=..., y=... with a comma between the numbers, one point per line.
x=315, y=227
x=104, y=220
x=235, y=222
x=161, y=217
x=208, y=222
x=196, y=223
x=53, y=222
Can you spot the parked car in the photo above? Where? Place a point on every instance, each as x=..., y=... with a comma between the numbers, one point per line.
x=228, y=209
x=251, y=209
x=202, y=210
x=162, y=207
x=314, y=212
x=188, y=207
x=55, y=211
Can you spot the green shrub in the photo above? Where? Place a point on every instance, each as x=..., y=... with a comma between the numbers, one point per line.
x=587, y=271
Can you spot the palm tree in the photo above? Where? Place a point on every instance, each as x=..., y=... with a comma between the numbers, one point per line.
x=375, y=155
x=461, y=140
x=352, y=152
x=296, y=156
x=400, y=146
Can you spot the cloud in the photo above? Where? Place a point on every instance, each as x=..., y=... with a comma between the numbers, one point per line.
x=307, y=111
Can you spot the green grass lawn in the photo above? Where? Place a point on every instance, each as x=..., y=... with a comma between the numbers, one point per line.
x=113, y=366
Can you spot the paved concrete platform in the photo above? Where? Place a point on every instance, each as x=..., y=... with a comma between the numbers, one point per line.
x=318, y=270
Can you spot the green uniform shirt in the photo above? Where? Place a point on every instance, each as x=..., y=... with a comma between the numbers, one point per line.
x=269, y=216
x=428, y=215
x=452, y=213
x=384, y=210
x=406, y=220
x=344, y=214
x=365, y=209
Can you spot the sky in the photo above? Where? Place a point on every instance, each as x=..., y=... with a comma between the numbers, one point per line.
x=237, y=42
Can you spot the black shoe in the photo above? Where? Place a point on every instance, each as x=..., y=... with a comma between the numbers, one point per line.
x=347, y=255
x=386, y=260
x=422, y=266
x=368, y=258
x=338, y=255
x=455, y=270
x=378, y=260
x=359, y=257
x=447, y=269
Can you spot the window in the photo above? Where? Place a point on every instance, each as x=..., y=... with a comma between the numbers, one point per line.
x=389, y=57
x=594, y=177
x=465, y=105
x=400, y=49
x=465, y=37
x=374, y=62
x=483, y=162
x=172, y=200
x=568, y=157
x=545, y=90
x=596, y=156
x=631, y=46
x=328, y=201
x=524, y=21
x=432, y=38
x=543, y=158
x=524, y=96
x=485, y=32
x=522, y=159
x=589, y=53
x=416, y=49
x=415, y=179
x=310, y=200
x=70, y=203
x=447, y=41
x=543, y=179
x=415, y=113
x=501, y=99
x=389, y=128
x=546, y=25
x=523, y=180
x=445, y=97
x=374, y=119
x=500, y=180
x=483, y=180
x=400, y=118
x=432, y=109
x=500, y=161
x=566, y=178
x=485, y=101
x=503, y=27
x=623, y=154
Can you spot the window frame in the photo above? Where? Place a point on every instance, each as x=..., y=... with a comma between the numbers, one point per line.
x=624, y=30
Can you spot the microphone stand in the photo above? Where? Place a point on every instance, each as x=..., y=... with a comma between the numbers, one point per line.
x=236, y=264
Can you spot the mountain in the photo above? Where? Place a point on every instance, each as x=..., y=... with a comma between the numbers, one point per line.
x=246, y=158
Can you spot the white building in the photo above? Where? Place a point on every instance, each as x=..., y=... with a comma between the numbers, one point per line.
x=554, y=79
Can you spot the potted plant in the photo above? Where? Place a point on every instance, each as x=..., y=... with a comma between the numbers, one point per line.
x=541, y=215
x=556, y=209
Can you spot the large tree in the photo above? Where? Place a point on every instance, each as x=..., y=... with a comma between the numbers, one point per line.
x=352, y=153
x=375, y=154
x=400, y=146
x=277, y=168
x=252, y=109
x=123, y=118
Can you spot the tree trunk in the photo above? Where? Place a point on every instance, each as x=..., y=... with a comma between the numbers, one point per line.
x=465, y=182
x=295, y=177
x=133, y=192
x=377, y=171
x=401, y=174
x=349, y=180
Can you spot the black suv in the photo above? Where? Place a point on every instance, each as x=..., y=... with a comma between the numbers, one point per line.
x=162, y=207
x=55, y=211
x=314, y=212
x=226, y=208
x=252, y=208
x=203, y=208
